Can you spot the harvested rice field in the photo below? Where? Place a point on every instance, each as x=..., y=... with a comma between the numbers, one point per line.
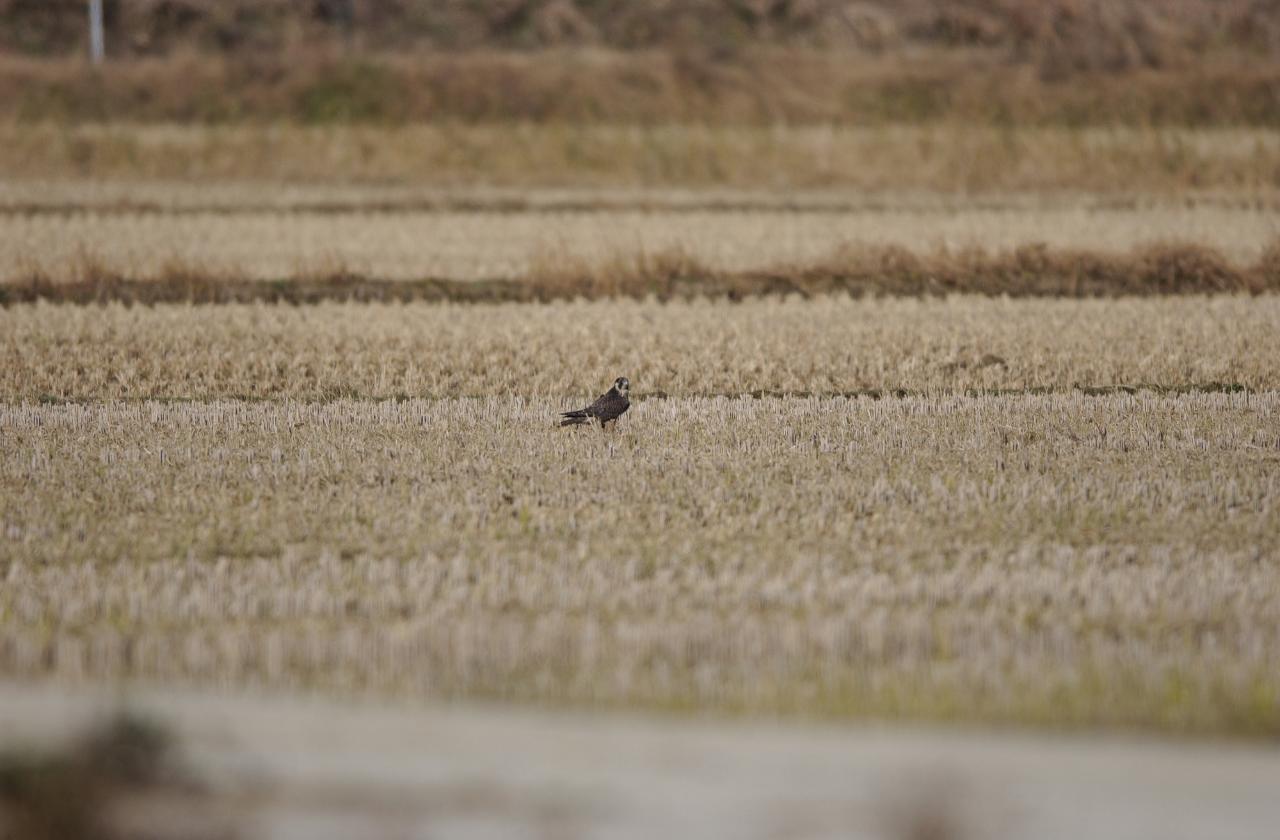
x=150, y=231
x=820, y=346
x=487, y=244
x=571, y=419
x=923, y=454
x=1059, y=559
x=1044, y=511
x=936, y=494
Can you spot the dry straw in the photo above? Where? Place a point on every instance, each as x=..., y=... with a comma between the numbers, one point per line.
x=1029, y=271
x=1060, y=559
x=951, y=157
x=824, y=345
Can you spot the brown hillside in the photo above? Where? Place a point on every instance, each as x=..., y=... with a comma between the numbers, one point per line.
x=1061, y=36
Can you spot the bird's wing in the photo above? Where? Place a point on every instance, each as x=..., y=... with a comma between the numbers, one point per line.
x=611, y=406
x=589, y=411
x=601, y=404
x=608, y=405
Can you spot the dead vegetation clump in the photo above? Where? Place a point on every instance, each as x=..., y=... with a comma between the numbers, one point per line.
x=94, y=281
x=663, y=275
x=94, y=786
x=1052, y=62
x=591, y=87
x=1193, y=62
x=857, y=270
x=1029, y=271
x=1036, y=270
x=1110, y=36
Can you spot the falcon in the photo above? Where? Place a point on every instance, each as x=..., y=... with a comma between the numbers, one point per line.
x=607, y=409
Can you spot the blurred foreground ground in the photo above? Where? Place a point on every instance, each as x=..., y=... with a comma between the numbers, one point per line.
x=287, y=767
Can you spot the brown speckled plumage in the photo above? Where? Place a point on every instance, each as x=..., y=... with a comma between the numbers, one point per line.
x=607, y=409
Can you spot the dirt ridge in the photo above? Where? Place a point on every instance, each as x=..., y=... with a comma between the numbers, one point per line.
x=1029, y=271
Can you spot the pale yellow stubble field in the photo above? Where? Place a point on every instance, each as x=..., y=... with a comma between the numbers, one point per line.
x=1063, y=559
x=375, y=497
x=272, y=245
x=924, y=188
x=821, y=346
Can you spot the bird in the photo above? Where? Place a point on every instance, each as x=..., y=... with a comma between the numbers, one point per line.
x=607, y=409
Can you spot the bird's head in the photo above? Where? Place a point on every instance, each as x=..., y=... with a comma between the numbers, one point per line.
x=622, y=385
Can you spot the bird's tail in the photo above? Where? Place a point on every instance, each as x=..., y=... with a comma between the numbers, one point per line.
x=574, y=418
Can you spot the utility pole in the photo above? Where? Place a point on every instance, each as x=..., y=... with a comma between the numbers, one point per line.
x=97, y=46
